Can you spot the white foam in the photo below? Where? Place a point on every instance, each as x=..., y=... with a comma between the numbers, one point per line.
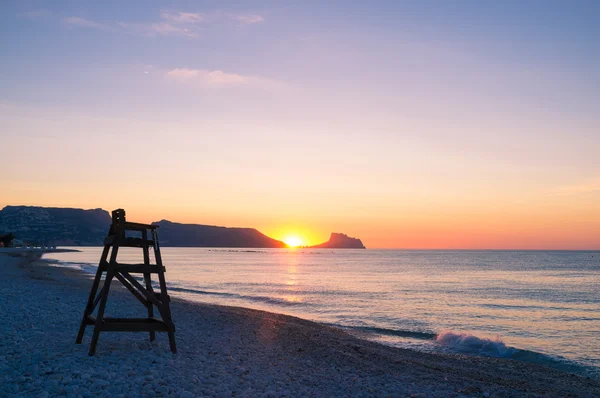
x=469, y=343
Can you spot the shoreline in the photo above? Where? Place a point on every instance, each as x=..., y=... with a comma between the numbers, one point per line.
x=227, y=351
x=31, y=253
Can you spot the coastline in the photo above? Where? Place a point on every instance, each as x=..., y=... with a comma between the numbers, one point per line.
x=226, y=351
x=30, y=254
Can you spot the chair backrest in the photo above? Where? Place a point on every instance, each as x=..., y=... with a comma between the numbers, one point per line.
x=118, y=216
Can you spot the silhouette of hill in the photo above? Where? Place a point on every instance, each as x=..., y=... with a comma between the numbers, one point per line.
x=78, y=227
x=55, y=226
x=197, y=235
x=340, y=241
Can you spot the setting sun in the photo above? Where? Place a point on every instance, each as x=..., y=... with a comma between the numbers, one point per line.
x=294, y=241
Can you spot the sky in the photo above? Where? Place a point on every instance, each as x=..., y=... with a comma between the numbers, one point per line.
x=407, y=124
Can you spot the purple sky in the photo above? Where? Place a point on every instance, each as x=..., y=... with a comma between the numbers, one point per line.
x=407, y=124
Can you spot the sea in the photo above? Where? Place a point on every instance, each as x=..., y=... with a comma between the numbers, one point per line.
x=534, y=306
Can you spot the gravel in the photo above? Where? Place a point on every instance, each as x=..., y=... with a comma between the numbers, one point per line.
x=225, y=352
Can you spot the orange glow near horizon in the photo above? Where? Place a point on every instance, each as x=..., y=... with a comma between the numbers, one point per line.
x=542, y=222
x=557, y=222
x=294, y=241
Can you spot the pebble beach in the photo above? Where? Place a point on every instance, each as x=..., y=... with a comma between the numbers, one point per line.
x=226, y=352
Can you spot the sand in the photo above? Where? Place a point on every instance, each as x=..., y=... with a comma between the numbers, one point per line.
x=226, y=352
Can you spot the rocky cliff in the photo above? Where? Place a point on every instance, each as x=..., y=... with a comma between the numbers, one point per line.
x=55, y=226
x=340, y=241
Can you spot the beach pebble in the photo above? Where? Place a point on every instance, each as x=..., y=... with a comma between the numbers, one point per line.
x=223, y=352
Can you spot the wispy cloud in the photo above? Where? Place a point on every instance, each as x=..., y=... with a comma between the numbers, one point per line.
x=182, y=17
x=589, y=187
x=208, y=77
x=188, y=18
x=167, y=29
x=86, y=23
x=159, y=28
x=218, y=78
x=247, y=19
x=170, y=23
x=156, y=29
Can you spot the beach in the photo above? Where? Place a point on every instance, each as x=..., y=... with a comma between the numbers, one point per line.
x=226, y=352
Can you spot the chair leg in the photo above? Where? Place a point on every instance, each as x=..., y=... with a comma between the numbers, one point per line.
x=89, y=307
x=150, y=306
x=100, y=317
x=166, y=307
x=172, y=338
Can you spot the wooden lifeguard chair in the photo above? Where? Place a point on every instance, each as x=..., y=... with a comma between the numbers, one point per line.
x=117, y=237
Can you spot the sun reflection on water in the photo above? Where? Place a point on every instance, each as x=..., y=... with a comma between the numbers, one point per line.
x=291, y=275
x=292, y=299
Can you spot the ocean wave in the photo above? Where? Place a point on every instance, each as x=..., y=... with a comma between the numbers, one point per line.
x=468, y=343
x=283, y=301
x=393, y=332
x=284, y=288
x=88, y=268
x=528, y=307
x=237, y=251
x=205, y=292
x=473, y=345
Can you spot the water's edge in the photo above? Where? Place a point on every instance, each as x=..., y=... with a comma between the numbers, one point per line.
x=446, y=341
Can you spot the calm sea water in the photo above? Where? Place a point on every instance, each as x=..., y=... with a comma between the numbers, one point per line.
x=534, y=306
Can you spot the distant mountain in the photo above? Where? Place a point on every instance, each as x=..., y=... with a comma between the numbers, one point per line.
x=78, y=227
x=196, y=235
x=55, y=226
x=340, y=241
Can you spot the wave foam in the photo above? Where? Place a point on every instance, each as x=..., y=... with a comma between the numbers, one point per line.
x=469, y=343
x=391, y=332
x=473, y=345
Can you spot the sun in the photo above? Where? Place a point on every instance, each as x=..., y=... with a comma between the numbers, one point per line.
x=293, y=241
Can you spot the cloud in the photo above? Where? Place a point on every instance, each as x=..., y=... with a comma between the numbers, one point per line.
x=171, y=23
x=218, y=78
x=166, y=29
x=247, y=19
x=211, y=78
x=142, y=29
x=85, y=23
x=586, y=188
x=188, y=18
x=182, y=17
